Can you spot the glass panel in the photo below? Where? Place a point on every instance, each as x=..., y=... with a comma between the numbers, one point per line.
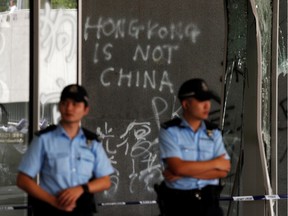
x=234, y=81
x=264, y=11
x=58, y=54
x=14, y=97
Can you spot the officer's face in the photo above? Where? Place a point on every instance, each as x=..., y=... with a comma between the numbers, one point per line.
x=72, y=111
x=195, y=109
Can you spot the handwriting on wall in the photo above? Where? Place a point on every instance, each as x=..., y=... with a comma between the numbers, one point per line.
x=134, y=147
x=163, y=52
x=134, y=29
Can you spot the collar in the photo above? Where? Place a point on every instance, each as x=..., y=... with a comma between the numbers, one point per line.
x=62, y=131
x=184, y=123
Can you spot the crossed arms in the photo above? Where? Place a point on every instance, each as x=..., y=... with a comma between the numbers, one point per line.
x=210, y=169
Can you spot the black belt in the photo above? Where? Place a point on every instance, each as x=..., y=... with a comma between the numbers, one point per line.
x=210, y=192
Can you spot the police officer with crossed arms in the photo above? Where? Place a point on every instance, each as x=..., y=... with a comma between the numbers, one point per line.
x=194, y=156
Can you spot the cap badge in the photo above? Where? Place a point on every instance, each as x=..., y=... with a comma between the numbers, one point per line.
x=204, y=87
x=73, y=89
x=89, y=143
x=209, y=133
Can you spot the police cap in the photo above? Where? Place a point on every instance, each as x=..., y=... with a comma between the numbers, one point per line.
x=196, y=88
x=76, y=93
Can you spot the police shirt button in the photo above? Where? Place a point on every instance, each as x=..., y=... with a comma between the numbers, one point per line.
x=73, y=170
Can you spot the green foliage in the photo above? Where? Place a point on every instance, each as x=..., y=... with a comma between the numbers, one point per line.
x=4, y=5
x=69, y=4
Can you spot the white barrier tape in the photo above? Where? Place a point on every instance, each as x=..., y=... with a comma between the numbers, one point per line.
x=9, y=208
x=149, y=202
x=234, y=198
x=254, y=198
x=144, y=202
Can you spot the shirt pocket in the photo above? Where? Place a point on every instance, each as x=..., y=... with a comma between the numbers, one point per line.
x=206, y=149
x=59, y=163
x=188, y=152
x=85, y=163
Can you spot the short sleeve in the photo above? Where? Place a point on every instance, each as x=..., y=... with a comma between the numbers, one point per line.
x=219, y=145
x=32, y=159
x=168, y=147
x=103, y=165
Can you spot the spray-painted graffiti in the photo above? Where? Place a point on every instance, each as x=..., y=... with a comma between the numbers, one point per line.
x=135, y=78
x=163, y=53
x=58, y=31
x=134, y=29
x=135, y=147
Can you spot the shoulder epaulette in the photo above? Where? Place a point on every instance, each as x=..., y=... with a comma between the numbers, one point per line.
x=90, y=135
x=210, y=125
x=46, y=130
x=171, y=123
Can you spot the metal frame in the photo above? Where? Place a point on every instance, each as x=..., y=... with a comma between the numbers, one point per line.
x=34, y=106
x=34, y=109
x=79, y=31
x=274, y=100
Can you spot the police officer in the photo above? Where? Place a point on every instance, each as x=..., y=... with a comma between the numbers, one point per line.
x=70, y=160
x=194, y=156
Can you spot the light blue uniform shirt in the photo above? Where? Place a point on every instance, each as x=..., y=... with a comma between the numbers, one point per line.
x=182, y=142
x=62, y=162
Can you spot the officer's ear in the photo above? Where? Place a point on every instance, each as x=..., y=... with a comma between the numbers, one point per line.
x=86, y=110
x=184, y=104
